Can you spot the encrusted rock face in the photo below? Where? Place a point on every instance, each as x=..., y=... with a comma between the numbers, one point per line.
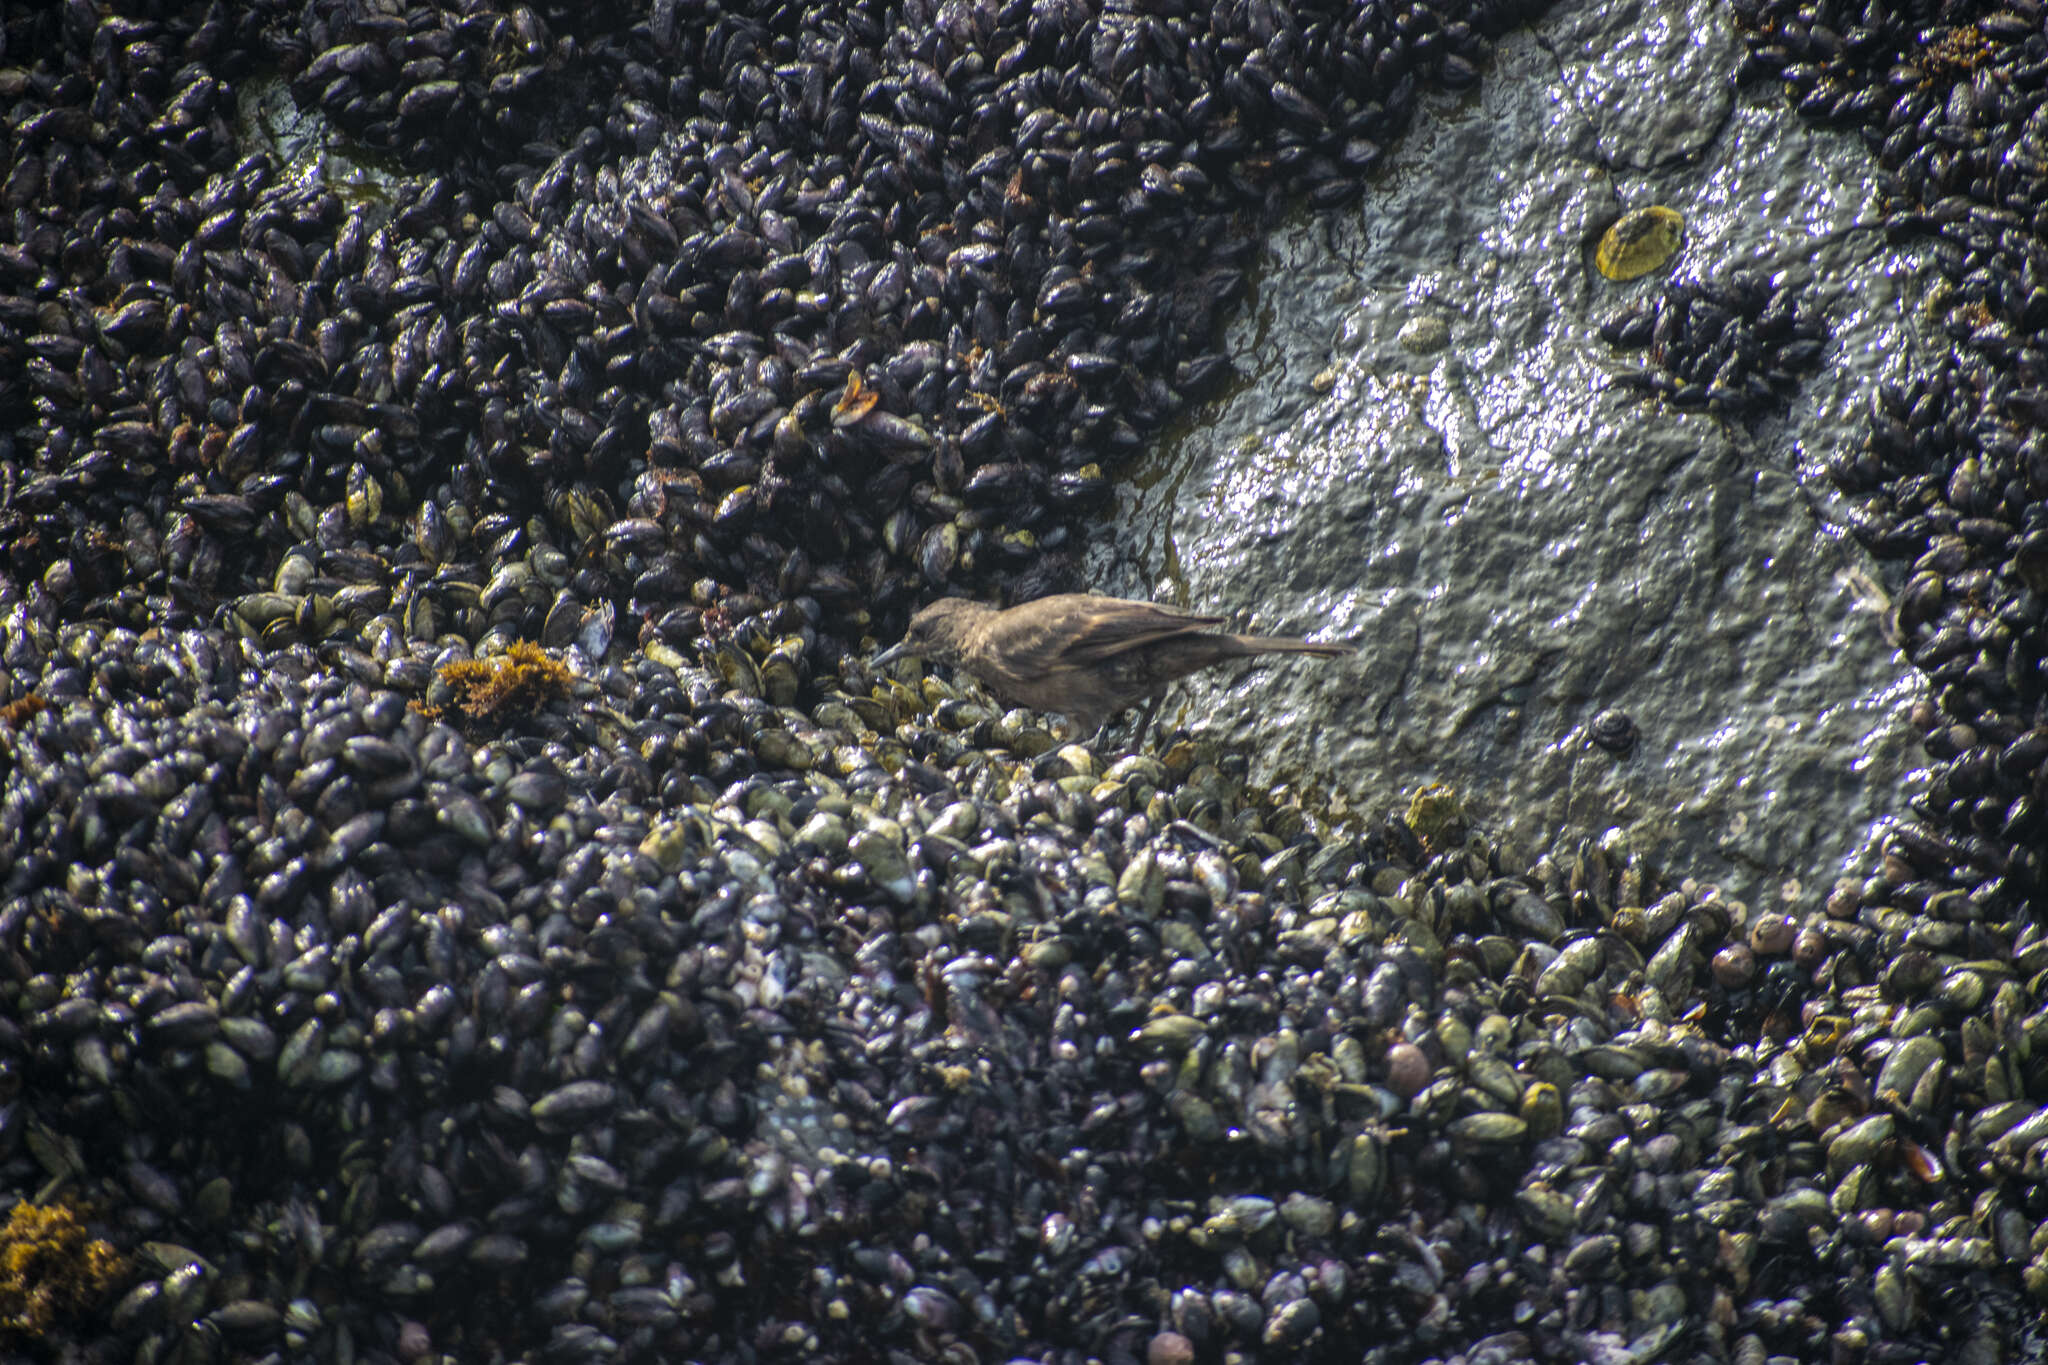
x=461, y=896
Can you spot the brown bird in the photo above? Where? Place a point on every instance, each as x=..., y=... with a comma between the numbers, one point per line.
x=1084, y=656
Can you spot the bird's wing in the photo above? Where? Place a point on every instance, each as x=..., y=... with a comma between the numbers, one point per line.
x=1104, y=628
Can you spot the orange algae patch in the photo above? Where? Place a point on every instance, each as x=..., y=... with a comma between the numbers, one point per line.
x=518, y=682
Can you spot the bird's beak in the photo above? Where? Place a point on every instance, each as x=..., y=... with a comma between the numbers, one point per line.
x=899, y=650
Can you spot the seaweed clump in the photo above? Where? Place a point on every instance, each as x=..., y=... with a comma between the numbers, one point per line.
x=516, y=683
x=50, y=1269
x=1953, y=55
x=1436, y=816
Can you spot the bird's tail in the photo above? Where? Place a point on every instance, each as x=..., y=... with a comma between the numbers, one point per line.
x=1282, y=644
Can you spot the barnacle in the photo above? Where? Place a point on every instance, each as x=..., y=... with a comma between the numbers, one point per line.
x=50, y=1268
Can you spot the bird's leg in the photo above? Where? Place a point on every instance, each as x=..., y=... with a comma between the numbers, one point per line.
x=1099, y=738
x=1145, y=721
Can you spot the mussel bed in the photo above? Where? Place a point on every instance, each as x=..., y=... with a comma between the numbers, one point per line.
x=463, y=897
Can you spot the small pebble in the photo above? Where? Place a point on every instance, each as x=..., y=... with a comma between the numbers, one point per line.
x=1846, y=899
x=414, y=1341
x=1772, y=935
x=1735, y=966
x=1424, y=333
x=1169, y=1348
x=1407, y=1069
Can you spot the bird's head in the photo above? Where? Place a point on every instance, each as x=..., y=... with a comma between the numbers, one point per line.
x=936, y=634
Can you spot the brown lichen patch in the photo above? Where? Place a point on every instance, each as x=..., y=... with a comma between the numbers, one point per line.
x=50, y=1269
x=22, y=710
x=518, y=682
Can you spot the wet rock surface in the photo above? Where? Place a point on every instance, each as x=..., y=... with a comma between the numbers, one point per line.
x=464, y=898
x=1535, y=494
